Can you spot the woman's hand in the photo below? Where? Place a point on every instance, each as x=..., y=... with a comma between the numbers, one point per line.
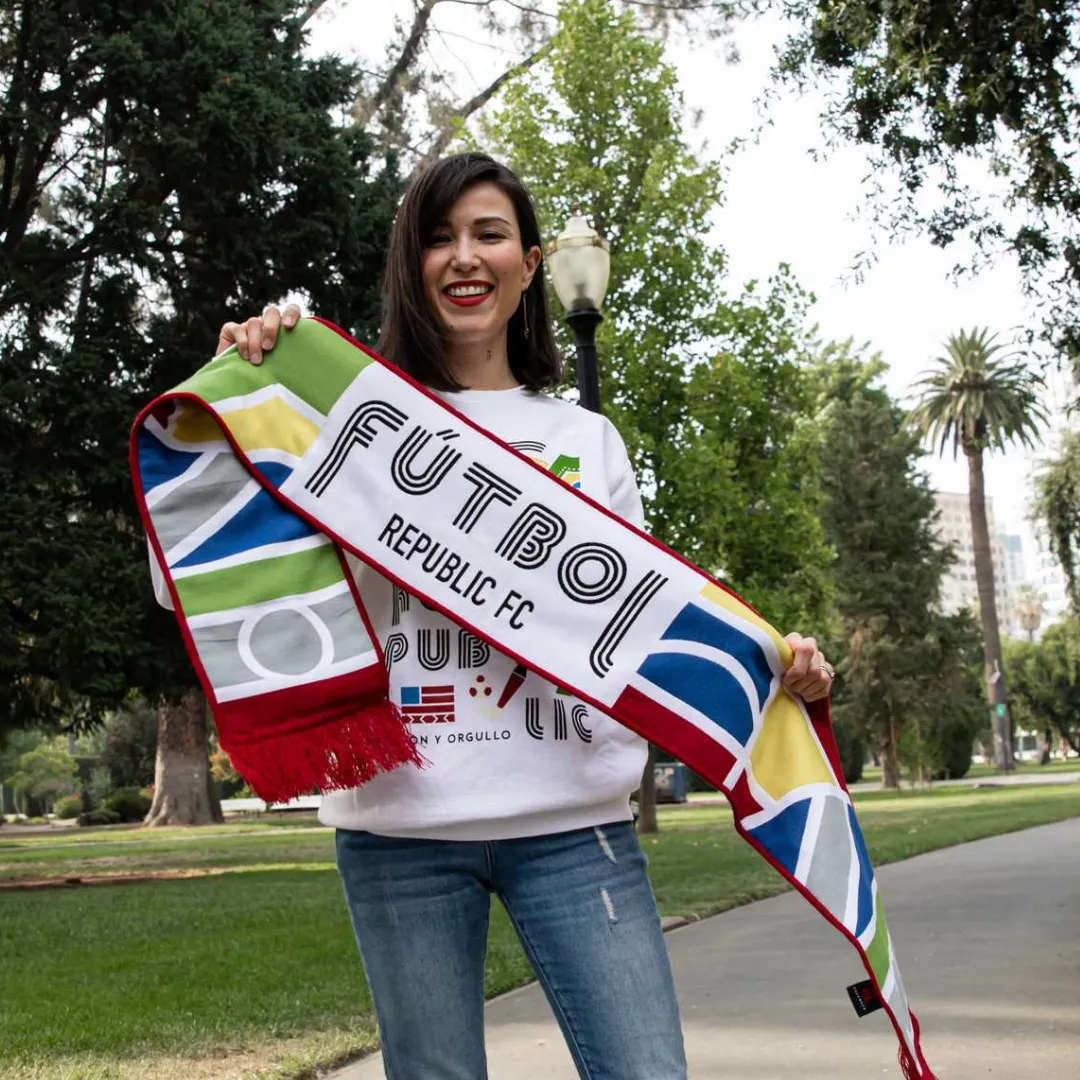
x=259, y=334
x=810, y=675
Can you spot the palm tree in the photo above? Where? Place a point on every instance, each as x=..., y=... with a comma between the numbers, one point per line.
x=1029, y=607
x=979, y=397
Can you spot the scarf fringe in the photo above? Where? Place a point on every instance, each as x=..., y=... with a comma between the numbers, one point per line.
x=908, y=1067
x=341, y=754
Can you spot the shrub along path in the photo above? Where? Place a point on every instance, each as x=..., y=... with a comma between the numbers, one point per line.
x=252, y=972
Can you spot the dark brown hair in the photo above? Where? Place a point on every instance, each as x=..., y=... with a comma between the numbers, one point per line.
x=412, y=335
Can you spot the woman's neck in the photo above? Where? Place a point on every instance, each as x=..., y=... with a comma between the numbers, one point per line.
x=483, y=367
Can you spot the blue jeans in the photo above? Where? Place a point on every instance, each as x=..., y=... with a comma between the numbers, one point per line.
x=585, y=913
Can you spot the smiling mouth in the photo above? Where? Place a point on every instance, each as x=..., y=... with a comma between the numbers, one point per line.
x=468, y=293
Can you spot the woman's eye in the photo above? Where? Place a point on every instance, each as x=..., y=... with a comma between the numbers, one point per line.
x=439, y=238
x=491, y=236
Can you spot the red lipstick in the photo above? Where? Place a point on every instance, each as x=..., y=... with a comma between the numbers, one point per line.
x=469, y=301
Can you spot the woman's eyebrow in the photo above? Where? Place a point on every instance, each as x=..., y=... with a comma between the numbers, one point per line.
x=489, y=219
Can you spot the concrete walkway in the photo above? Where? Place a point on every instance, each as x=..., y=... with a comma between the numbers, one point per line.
x=987, y=941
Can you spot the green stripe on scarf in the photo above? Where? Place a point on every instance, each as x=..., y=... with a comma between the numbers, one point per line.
x=320, y=385
x=877, y=951
x=286, y=575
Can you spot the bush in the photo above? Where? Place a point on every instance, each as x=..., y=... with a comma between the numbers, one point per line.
x=850, y=745
x=99, y=817
x=131, y=744
x=99, y=787
x=70, y=806
x=131, y=803
x=957, y=743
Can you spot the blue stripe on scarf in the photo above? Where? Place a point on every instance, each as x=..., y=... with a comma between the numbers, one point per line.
x=693, y=623
x=704, y=686
x=158, y=463
x=262, y=520
x=866, y=875
x=782, y=835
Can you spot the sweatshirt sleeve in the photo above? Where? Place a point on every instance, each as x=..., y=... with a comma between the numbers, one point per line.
x=623, y=494
x=157, y=576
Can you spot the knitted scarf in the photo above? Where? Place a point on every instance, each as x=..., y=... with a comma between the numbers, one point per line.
x=253, y=483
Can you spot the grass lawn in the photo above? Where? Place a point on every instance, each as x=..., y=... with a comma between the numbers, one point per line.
x=872, y=773
x=254, y=973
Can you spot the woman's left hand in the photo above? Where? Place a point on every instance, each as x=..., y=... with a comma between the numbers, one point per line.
x=810, y=675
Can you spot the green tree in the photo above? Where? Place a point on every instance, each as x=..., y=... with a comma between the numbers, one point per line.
x=1045, y=682
x=162, y=167
x=44, y=774
x=950, y=714
x=1029, y=607
x=902, y=690
x=130, y=744
x=706, y=389
x=13, y=744
x=1057, y=503
x=979, y=399
x=930, y=89
x=406, y=101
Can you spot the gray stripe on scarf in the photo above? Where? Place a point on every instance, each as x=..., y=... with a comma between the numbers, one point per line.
x=831, y=864
x=190, y=505
x=282, y=641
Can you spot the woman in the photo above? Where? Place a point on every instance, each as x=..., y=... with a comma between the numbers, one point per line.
x=526, y=795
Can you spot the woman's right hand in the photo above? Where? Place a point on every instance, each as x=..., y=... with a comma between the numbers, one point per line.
x=259, y=334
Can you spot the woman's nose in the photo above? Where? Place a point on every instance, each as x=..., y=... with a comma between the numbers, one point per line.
x=464, y=252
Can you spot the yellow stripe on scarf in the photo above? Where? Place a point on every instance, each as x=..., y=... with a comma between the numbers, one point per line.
x=270, y=425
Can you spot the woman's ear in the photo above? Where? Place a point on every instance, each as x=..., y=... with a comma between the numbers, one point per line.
x=529, y=265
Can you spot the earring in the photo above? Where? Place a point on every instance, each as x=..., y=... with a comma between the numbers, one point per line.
x=525, y=312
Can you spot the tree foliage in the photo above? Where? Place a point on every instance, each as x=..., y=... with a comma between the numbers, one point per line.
x=407, y=100
x=907, y=689
x=706, y=388
x=1057, y=503
x=44, y=773
x=129, y=744
x=933, y=89
x=977, y=400
x=1045, y=678
x=162, y=167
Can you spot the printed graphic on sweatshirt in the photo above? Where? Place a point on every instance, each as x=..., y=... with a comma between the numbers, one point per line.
x=428, y=704
x=565, y=466
x=481, y=687
x=561, y=711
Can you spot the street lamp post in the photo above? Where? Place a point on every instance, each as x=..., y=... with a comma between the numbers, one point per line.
x=580, y=265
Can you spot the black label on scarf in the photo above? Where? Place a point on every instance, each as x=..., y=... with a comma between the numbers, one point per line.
x=864, y=997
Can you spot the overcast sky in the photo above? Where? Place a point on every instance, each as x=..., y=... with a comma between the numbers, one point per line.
x=782, y=205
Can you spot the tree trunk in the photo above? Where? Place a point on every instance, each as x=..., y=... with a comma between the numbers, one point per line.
x=984, y=578
x=182, y=769
x=1044, y=747
x=647, y=796
x=890, y=763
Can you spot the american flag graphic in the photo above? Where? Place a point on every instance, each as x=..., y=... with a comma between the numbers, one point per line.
x=428, y=704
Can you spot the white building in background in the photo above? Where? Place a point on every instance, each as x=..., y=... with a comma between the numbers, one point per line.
x=1015, y=568
x=959, y=588
x=1048, y=577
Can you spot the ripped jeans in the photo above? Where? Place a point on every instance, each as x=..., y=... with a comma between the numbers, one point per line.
x=584, y=911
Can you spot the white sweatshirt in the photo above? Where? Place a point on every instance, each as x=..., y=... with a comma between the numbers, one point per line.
x=542, y=762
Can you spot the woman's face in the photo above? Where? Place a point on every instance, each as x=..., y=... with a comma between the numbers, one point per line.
x=475, y=269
